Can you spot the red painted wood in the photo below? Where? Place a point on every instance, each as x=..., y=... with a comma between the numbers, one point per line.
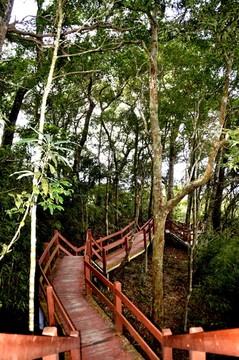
x=196, y=355
x=115, y=258
x=26, y=347
x=98, y=336
x=120, y=319
x=118, y=308
x=50, y=306
x=50, y=331
x=167, y=353
x=221, y=342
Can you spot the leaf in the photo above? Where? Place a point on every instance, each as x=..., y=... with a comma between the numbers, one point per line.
x=27, y=140
x=26, y=173
x=51, y=208
x=45, y=186
x=22, y=173
x=18, y=201
x=52, y=169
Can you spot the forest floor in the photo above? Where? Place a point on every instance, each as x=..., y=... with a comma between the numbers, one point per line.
x=137, y=285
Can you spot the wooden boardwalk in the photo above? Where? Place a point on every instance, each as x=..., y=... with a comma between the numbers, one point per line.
x=98, y=336
x=117, y=257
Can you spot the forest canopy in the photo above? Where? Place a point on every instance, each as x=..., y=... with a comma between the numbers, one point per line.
x=112, y=111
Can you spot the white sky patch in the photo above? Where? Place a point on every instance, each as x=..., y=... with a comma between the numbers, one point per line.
x=22, y=8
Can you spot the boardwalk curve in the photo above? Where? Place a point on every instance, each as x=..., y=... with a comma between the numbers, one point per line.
x=98, y=336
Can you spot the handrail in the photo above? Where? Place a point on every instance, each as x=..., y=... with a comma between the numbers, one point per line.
x=221, y=342
x=55, y=307
x=179, y=229
x=123, y=232
x=25, y=347
x=46, y=262
x=101, y=253
x=116, y=307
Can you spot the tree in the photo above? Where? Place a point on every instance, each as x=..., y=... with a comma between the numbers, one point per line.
x=162, y=207
x=38, y=180
x=5, y=14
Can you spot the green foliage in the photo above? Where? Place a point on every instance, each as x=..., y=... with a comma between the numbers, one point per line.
x=233, y=144
x=48, y=190
x=216, y=294
x=52, y=193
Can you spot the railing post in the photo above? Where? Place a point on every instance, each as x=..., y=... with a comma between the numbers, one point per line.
x=75, y=354
x=104, y=260
x=118, y=307
x=126, y=242
x=89, y=243
x=50, y=305
x=167, y=353
x=196, y=355
x=150, y=235
x=87, y=275
x=50, y=331
x=145, y=239
x=57, y=241
x=47, y=257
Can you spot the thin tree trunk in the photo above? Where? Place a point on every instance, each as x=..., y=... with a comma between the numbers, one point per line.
x=217, y=208
x=116, y=195
x=36, y=171
x=135, y=178
x=107, y=196
x=191, y=253
x=150, y=208
x=172, y=155
x=85, y=130
x=9, y=128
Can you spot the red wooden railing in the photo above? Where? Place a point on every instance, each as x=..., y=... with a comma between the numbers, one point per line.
x=197, y=342
x=47, y=347
x=179, y=229
x=25, y=347
x=57, y=247
x=100, y=251
x=120, y=300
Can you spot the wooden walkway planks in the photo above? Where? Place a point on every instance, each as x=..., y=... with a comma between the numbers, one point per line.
x=98, y=336
x=117, y=257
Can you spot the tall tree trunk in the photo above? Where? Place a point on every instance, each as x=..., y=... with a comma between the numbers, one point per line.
x=172, y=155
x=5, y=14
x=107, y=195
x=9, y=128
x=191, y=253
x=116, y=197
x=217, y=208
x=85, y=130
x=212, y=199
x=159, y=212
x=36, y=171
x=135, y=176
x=150, y=208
